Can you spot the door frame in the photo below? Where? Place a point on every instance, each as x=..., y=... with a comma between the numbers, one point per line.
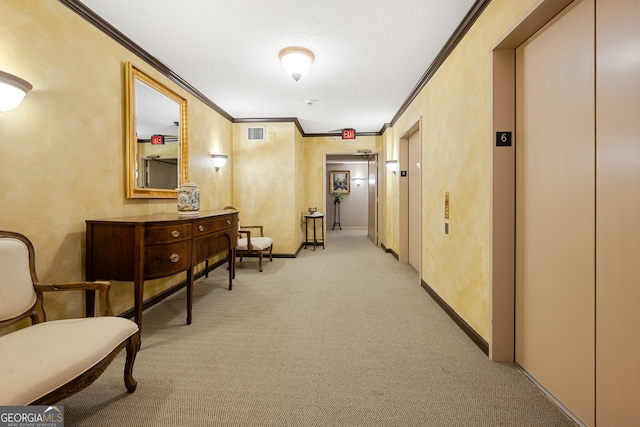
x=403, y=211
x=372, y=203
x=355, y=155
x=503, y=97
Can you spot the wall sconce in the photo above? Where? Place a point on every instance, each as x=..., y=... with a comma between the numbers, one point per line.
x=296, y=61
x=12, y=90
x=358, y=181
x=392, y=165
x=219, y=160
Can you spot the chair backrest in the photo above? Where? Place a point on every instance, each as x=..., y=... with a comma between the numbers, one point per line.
x=17, y=275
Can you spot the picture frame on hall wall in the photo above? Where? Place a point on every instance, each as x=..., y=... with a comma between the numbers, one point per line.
x=340, y=182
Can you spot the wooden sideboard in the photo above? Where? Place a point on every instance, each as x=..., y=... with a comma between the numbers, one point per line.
x=137, y=248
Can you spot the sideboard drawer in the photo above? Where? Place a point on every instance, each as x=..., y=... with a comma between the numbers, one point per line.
x=207, y=226
x=166, y=233
x=164, y=260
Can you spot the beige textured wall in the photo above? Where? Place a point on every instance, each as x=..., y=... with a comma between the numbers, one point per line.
x=455, y=107
x=266, y=182
x=62, y=149
x=389, y=228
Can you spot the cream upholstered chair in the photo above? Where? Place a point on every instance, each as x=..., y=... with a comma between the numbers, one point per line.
x=249, y=243
x=49, y=361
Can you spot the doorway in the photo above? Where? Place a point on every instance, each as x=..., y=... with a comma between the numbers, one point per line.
x=158, y=172
x=410, y=239
x=415, y=201
x=359, y=207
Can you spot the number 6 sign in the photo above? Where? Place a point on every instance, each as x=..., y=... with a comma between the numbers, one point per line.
x=503, y=139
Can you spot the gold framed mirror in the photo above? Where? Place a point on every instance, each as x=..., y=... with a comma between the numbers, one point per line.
x=157, y=150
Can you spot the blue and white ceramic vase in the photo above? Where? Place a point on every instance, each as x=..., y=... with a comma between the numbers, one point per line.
x=188, y=198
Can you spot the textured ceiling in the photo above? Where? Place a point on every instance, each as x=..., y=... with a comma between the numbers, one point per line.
x=369, y=54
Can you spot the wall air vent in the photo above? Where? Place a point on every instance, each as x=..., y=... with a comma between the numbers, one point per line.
x=255, y=133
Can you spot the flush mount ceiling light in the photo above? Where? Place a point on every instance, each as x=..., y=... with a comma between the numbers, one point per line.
x=296, y=61
x=12, y=90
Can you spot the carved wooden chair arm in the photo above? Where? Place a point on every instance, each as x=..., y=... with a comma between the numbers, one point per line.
x=249, y=245
x=101, y=286
x=98, y=285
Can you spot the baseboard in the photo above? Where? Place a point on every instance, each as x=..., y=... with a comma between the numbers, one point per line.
x=390, y=251
x=550, y=396
x=471, y=333
x=128, y=314
x=274, y=255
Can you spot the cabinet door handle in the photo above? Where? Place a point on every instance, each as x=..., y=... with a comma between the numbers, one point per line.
x=175, y=233
x=228, y=222
x=174, y=257
x=201, y=227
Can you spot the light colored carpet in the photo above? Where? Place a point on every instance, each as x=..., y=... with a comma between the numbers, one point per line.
x=343, y=336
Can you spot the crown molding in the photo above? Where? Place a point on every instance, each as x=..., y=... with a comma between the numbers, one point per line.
x=467, y=22
x=272, y=120
x=95, y=20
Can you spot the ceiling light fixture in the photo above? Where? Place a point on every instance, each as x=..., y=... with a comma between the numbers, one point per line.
x=296, y=61
x=12, y=90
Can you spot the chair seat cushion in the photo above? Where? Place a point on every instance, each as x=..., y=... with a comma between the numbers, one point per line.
x=258, y=243
x=38, y=359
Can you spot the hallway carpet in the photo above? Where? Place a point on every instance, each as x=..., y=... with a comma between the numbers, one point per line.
x=343, y=336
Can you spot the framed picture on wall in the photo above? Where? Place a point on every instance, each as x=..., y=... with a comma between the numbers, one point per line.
x=340, y=182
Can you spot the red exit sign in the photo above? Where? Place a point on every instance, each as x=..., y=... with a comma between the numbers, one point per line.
x=348, y=134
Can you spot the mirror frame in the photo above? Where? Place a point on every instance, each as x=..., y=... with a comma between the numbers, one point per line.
x=133, y=192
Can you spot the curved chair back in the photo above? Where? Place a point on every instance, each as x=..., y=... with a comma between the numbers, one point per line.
x=17, y=295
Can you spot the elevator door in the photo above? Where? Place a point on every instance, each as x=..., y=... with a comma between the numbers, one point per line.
x=555, y=208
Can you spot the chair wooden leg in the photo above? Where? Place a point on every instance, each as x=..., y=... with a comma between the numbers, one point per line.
x=270, y=250
x=132, y=350
x=260, y=260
